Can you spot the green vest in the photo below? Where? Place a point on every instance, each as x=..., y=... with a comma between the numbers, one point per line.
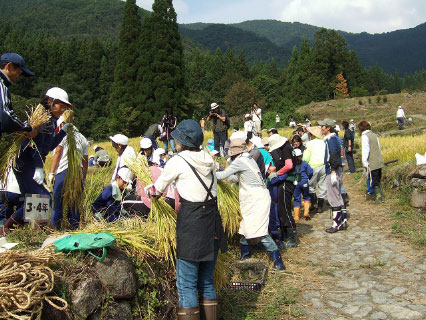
x=375, y=159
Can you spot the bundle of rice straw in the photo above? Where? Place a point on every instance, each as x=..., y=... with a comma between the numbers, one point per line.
x=72, y=190
x=132, y=234
x=37, y=116
x=229, y=207
x=161, y=215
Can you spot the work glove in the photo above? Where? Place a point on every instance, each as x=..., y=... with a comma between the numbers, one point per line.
x=39, y=175
x=52, y=178
x=272, y=175
x=151, y=192
x=65, y=127
x=333, y=178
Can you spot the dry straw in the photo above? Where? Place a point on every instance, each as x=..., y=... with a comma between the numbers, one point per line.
x=229, y=207
x=73, y=183
x=37, y=116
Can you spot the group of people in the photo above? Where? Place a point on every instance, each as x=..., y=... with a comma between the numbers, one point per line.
x=274, y=174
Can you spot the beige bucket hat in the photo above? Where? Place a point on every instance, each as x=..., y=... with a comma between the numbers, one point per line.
x=315, y=131
x=237, y=146
x=276, y=141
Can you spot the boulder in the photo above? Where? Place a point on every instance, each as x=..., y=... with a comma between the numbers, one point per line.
x=51, y=313
x=418, y=199
x=419, y=172
x=114, y=311
x=86, y=296
x=117, y=275
x=418, y=183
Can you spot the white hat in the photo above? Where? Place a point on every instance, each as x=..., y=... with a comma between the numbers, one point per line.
x=120, y=139
x=58, y=94
x=297, y=152
x=125, y=174
x=400, y=107
x=247, y=115
x=95, y=147
x=276, y=141
x=257, y=141
x=213, y=106
x=146, y=143
x=60, y=121
x=238, y=135
x=160, y=151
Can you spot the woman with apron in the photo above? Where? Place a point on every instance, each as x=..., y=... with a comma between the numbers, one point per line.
x=198, y=228
x=255, y=202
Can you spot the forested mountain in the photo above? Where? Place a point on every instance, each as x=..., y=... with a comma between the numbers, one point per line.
x=259, y=40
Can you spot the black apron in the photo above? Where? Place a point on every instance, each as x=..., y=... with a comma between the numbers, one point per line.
x=197, y=225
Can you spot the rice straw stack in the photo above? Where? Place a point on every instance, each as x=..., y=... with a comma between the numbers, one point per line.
x=229, y=207
x=162, y=216
x=37, y=116
x=72, y=191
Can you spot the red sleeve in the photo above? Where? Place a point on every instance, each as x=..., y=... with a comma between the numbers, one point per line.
x=288, y=165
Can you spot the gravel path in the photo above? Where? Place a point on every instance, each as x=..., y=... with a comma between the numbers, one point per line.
x=364, y=272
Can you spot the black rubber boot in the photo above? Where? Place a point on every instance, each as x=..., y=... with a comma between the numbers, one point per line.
x=337, y=220
x=345, y=224
x=245, y=252
x=320, y=207
x=314, y=203
x=277, y=260
x=292, y=238
x=188, y=313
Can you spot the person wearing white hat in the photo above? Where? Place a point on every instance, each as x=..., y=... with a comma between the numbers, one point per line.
x=256, y=114
x=220, y=126
x=147, y=149
x=400, y=117
x=125, y=152
x=58, y=172
x=248, y=126
x=255, y=202
x=160, y=157
x=29, y=171
x=281, y=152
x=352, y=126
x=108, y=204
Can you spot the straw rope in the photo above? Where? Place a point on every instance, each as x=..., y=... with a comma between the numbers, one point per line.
x=25, y=282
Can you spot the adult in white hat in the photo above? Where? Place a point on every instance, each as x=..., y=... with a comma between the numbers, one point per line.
x=400, y=117
x=220, y=126
x=248, y=125
x=125, y=152
x=281, y=152
x=255, y=202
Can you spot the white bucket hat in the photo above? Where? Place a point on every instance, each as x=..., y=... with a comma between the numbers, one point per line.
x=276, y=141
x=59, y=94
x=125, y=174
x=213, y=106
x=120, y=139
x=146, y=143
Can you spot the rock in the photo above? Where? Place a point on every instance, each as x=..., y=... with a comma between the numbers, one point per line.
x=117, y=275
x=400, y=312
x=51, y=313
x=419, y=172
x=86, y=297
x=418, y=183
x=418, y=199
x=114, y=311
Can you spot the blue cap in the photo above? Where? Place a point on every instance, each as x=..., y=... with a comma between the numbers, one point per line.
x=16, y=59
x=189, y=133
x=210, y=141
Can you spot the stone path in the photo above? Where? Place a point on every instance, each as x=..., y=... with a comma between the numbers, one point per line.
x=364, y=272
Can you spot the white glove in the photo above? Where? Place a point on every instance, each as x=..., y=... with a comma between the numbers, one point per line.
x=150, y=191
x=333, y=178
x=39, y=175
x=272, y=175
x=65, y=127
x=51, y=177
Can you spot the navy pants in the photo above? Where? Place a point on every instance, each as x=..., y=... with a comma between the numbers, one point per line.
x=57, y=214
x=350, y=160
x=8, y=200
x=24, y=176
x=302, y=188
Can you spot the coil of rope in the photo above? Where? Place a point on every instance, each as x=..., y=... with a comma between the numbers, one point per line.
x=25, y=282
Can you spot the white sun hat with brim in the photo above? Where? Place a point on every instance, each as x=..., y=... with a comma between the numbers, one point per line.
x=125, y=174
x=276, y=141
x=213, y=106
x=257, y=141
x=297, y=152
x=238, y=135
x=146, y=143
x=120, y=139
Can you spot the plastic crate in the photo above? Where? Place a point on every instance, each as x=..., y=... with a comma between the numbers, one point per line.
x=256, y=285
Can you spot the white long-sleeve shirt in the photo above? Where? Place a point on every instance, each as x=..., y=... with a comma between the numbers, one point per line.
x=187, y=184
x=400, y=113
x=365, y=147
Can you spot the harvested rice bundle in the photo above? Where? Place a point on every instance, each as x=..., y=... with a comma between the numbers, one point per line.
x=161, y=215
x=221, y=270
x=37, y=116
x=229, y=207
x=73, y=182
x=133, y=234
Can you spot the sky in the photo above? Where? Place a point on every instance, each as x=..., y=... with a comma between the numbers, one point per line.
x=372, y=16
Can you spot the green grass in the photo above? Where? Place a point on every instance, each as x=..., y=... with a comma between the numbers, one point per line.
x=27, y=237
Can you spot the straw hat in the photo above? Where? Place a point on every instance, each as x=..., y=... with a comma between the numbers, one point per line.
x=276, y=141
x=236, y=147
x=315, y=131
